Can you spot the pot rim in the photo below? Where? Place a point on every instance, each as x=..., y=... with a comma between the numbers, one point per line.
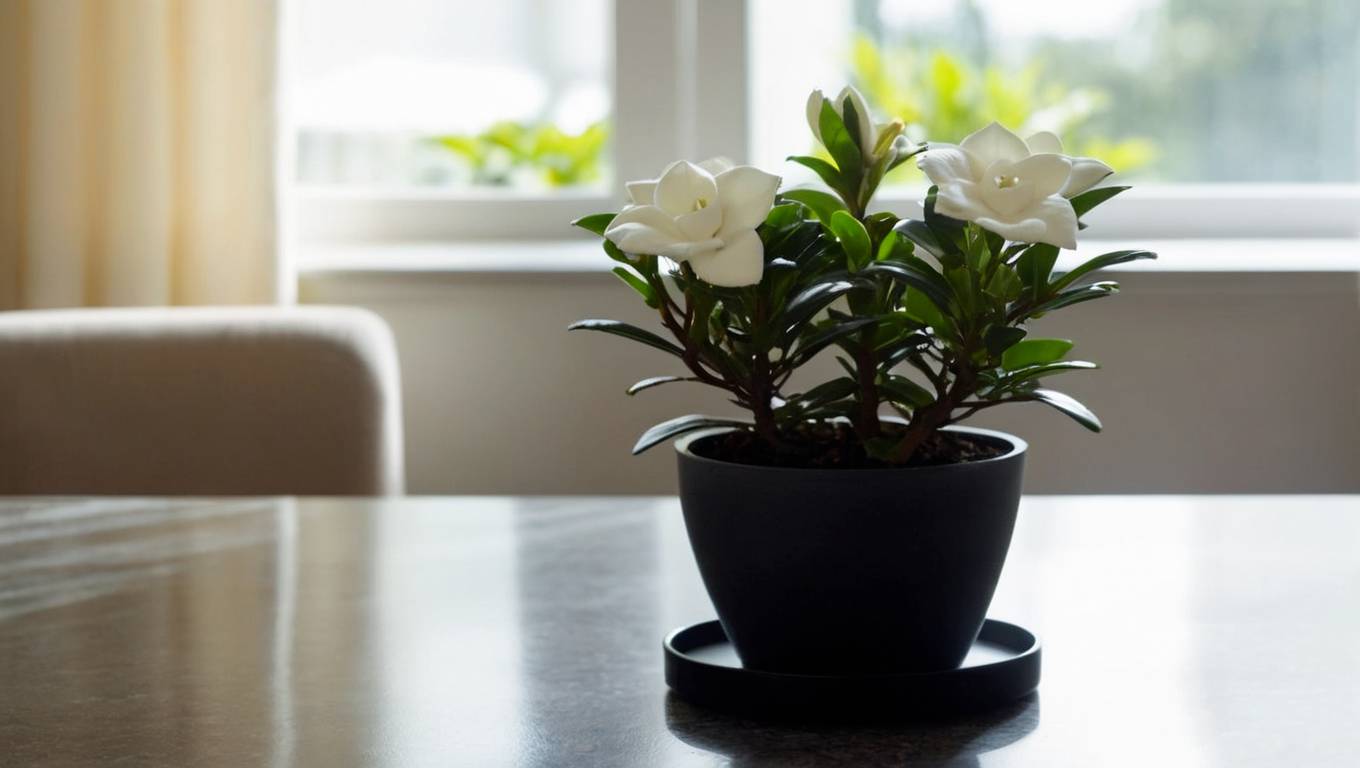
x=1018, y=448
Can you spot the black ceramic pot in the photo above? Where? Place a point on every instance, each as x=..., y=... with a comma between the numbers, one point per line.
x=851, y=571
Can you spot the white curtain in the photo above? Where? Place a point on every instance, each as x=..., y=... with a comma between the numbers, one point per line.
x=137, y=152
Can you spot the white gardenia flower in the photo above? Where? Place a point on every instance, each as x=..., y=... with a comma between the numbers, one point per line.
x=1016, y=189
x=704, y=214
x=868, y=132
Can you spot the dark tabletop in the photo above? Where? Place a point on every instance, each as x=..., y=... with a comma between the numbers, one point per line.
x=527, y=632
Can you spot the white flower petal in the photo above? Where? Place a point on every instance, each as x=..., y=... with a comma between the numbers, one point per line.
x=960, y=200
x=814, y=113
x=643, y=229
x=1042, y=174
x=741, y=262
x=716, y=165
x=686, y=251
x=1023, y=231
x=944, y=163
x=746, y=195
x=642, y=192
x=1052, y=221
x=681, y=188
x=1044, y=142
x=701, y=224
x=994, y=143
x=1086, y=173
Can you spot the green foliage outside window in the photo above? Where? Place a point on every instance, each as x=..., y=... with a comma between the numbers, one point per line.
x=941, y=95
x=509, y=151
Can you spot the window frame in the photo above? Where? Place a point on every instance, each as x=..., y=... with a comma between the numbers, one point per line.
x=684, y=93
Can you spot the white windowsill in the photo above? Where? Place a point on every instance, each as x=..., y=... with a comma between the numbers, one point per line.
x=585, y=256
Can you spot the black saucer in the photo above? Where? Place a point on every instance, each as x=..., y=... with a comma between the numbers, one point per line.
x=703, y=669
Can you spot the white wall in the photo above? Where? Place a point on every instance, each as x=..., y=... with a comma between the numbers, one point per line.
x=1212, y=382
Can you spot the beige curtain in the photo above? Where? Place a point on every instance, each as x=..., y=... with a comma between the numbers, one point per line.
x=137, y=144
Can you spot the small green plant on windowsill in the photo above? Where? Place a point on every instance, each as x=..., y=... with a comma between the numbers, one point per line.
x=928, y=318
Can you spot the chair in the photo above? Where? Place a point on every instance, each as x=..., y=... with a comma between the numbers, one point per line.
x=199, y=401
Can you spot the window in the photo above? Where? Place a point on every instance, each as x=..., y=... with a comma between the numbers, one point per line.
x=511, y=94
x=440, y=119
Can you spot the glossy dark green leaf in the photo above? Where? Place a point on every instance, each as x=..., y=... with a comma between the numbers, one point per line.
x=656, y=381
x=1034, y=267
x=1048, y=369
x=814, y=299
x=1093, y=197
x=820, y=339
x=1000, y=338
x=1076, y=296
x=904, y=390
x=628, y=332
x=828, y=391
x=916, y=274
x=822, y=204
x=784, y=217
x=922, y=235
x=1034, y=352
x=596, y=222
x=836, y=138
x=639, y=285
x=679, y=426
x=1068, y=405
x=1100, y=262
x=897, y=350
x=854, y=239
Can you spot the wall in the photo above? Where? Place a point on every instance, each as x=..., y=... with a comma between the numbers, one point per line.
x=1211, y=382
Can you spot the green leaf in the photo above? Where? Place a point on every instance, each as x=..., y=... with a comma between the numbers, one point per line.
x=827, y=392
x=639, y=285
x=1047, y=369
x=922, y=235
x=919, y=307
x=826, y=171
x=1005, y=284
x=895, y=247
x=918, y=275
x=656, y=381
x=784, y=217
x=1034, y=352
x=1000, y=338
x=1075, y=296
x=1093, y=197
x=854, y=239
x=820, y=339
x=679, y=426
x=596, y=222
x=628, y=332
x=903, y=390
x=1068, y=405
x=822, y=204
x=1035, y=265
x=812, y=300
x=836, y=138
x=1100, y=262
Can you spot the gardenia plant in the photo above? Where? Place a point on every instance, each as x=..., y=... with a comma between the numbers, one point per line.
x=926, y=317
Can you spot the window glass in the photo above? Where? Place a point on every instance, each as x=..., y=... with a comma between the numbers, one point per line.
x=1163, y=90
x=509, y=94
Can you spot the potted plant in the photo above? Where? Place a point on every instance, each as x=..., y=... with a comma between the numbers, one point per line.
x=834, y=539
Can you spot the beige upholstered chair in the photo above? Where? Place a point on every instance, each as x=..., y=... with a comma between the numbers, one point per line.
x=212, y=401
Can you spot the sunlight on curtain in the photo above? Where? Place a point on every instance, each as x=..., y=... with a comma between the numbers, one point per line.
x=137, y=147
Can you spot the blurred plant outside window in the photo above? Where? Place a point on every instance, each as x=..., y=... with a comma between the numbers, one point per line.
x=1177, y=91
x=511, y=94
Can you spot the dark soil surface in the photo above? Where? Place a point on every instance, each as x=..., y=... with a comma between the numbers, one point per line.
x=836, y=447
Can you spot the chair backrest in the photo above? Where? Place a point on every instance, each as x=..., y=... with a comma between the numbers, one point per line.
x=199, y=401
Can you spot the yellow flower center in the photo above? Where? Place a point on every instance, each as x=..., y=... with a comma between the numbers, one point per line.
x=1006, y=182
x=701, y=204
